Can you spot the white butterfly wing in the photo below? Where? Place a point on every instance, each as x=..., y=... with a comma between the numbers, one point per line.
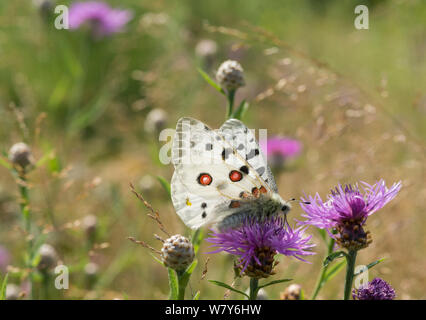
x=202, y=188
x=195, y=210
x=243, y=140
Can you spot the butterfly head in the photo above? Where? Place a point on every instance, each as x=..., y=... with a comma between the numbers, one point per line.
x=284, y=206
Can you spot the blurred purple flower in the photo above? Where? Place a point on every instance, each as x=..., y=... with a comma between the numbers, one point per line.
x=4, y=258
x=102, y=19
x=279, y=149
x=347, y=210
x=378, y=289
x=256, y=242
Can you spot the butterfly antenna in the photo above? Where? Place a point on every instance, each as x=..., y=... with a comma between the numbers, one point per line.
x=294, y=199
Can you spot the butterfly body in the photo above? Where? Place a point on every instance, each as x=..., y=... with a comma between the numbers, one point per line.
x=221, y=176
x=263, y=207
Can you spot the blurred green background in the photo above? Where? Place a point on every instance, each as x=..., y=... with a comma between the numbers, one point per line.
x=355, y=99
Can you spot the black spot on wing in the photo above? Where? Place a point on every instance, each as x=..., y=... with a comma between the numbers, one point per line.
x=209, y=147
x=204, y=214
x=203, y=205
x=244, y=169
x=226, y=152
x=252, y=154
x=260, y=170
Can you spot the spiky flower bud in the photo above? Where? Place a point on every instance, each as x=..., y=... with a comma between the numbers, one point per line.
x=147, y=184
x=45, y=6
x=352, y=235
x=378, y=289
x=292, y=292
x=48, y=257
x=20, y=155
x=90, y=223
x=206, y=48
x=91, y=269
x=156, y=120
x=177, y=252
x=12, y=292
x=230, y=75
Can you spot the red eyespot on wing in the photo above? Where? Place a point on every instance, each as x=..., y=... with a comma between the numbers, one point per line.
x=204, y=179
x=234, y=204
x=244, y=195
x=235, y=176
x=255, y=192
x=262, y=189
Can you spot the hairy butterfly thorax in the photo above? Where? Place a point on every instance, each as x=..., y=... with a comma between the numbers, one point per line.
x=263, y=207
x=221, y=176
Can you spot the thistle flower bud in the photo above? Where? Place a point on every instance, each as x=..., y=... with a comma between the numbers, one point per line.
x=12, y=292
x=292, y=292
x=377, y=289
x=230, y=75
x=156, y=120
x=177, y=252
x=91, y=269
x=45, y=6
x=206, y=48
x=352, y=235
x=48, y=258
x=147, y=184
x=90, y=223
x=20, y=154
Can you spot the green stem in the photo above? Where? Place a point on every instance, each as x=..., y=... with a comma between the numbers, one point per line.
x=173, y=284
x=320, y=281
x=254, y=284
x=231, y=96
x=26, y=214
x=183, y=279
x=182, y=288
x=350, y=259
x=46, y=277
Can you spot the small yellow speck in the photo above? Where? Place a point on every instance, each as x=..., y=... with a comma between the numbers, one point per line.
x=188, y=203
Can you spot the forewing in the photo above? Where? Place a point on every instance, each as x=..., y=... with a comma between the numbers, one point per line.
x=198, y=152
x=244, y=142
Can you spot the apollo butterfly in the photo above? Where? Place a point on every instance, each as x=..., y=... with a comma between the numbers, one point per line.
x=221, y=176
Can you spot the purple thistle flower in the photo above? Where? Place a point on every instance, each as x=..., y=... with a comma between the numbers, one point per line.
x=256, y=242
x=280, y=149
x=102, y=19
x=378, y=289
x=347, y=209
